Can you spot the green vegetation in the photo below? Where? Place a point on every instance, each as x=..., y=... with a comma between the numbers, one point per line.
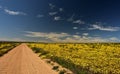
x=83, y=58
x=55, y=67
x=62, y=72
x=6, y=46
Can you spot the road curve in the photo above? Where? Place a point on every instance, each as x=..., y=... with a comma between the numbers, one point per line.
x=22, y=60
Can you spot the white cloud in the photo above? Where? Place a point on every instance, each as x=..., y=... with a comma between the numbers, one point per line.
x=12, y=39
x=79, y=22
x=99, y=27
x=57, y=18
x=71, y=19
x=65, y=37
x=75, y=27
x=48, y=35
x=39, y=16
x=77, y=33
x=114, y=38
x=85, y=34
x=52, y=13
x=76, y=36
x=60, y=9
x=0, y=7
x=54, y=37
x=10, y=12
x=51, y=6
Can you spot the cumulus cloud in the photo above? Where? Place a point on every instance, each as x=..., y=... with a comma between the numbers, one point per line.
x=79, y=22
x=65, y=37
x=10, y=12
x=99, y=27
x=52, y=13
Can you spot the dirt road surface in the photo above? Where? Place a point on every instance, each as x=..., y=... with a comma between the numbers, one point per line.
x=22, y=60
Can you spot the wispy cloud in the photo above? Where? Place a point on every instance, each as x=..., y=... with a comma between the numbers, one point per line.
x=48, y=35
x=52, y=13
x=85, y=34
x=60, y=9
x=53, y=37
x=0, y=7
x=57, y=18
x=71, y=19
x=40, y=16
x=108, y=28
x=51, y=6
x=77, y=33
x=79, y=22
x=75, y=28
x=114, y=39
x=65, y=37
x=12, y=39
x=10, y=12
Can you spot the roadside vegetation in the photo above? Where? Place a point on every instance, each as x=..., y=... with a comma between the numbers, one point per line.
x=83, y=58
x=6, y=46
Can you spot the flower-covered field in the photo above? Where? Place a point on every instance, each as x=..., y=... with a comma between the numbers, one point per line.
x=83, y=58
x=6, y=46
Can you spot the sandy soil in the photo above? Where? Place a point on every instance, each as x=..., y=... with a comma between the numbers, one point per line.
x=22, y=60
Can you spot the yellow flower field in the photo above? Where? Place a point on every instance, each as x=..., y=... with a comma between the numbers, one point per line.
x=83, y=58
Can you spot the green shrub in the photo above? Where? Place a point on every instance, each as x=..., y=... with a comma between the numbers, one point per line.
x=62, y=72
x=55, y=67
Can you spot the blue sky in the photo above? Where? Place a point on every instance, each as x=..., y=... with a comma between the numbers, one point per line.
x=60, y=20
